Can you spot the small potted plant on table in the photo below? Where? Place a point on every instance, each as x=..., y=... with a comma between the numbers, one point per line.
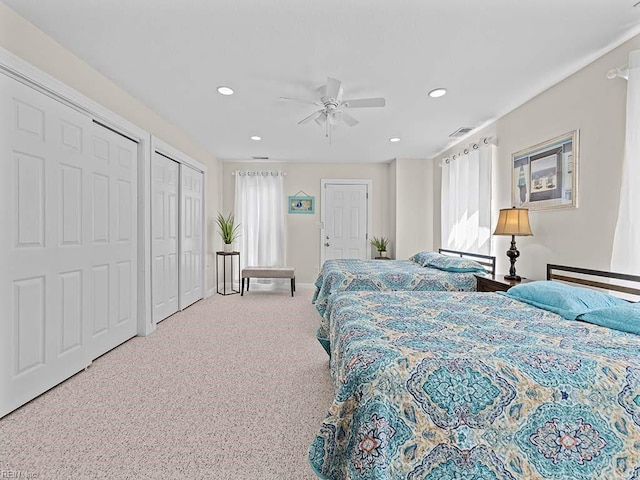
x=381, y=245
x=228, y=231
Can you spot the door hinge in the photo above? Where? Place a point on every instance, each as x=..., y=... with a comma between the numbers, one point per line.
x=367, y=194
x=366, y=236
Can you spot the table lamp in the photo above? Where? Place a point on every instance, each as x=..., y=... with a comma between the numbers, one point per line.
x=513, y=221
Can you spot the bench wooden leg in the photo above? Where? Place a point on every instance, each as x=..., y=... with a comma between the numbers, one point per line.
x=248, y=280
x=293, y=285
x=242, y=288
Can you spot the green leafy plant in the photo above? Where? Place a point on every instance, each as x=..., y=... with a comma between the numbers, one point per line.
x=380, y=244
x=228, y=231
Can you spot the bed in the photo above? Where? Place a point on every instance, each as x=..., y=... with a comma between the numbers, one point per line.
x=457, y=385
x=396, y=275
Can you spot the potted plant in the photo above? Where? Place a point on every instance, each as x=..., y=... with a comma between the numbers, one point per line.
x=228, y=231
x=381, y=245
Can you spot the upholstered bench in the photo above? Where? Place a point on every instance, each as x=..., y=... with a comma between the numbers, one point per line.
x=268, y=272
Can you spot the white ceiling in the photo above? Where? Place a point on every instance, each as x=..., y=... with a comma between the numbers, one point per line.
x=492, y=55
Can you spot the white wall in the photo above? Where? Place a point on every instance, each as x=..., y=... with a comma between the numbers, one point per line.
x=32, y=45
x=596, y=106
x=303, y=231
x=413, y=206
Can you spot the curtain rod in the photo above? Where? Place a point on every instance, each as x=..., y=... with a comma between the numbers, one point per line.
x=482, y=142
x=620, y=72
x=623, y=71
x=259, y=172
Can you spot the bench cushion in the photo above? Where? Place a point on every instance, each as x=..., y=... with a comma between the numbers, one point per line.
x=268, y=272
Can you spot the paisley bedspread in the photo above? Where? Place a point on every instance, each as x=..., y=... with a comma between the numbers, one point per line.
x=454, y=385
x=370, y=275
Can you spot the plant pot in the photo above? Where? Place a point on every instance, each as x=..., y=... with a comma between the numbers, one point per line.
x=382, y=253
x=228, y=247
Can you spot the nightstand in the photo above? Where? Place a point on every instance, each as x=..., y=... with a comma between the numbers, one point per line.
x=497, y=283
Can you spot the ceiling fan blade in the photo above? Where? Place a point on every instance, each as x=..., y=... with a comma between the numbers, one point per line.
x=321, y=119
x=333, y=88
x=313, y=116
x=348, y=119
x=364, y=102
x=300, y=100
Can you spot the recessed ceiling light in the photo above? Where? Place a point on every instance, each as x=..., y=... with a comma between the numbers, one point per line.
x=225, y=90
x=438, y=92
x=256, y=138
x=394, y=139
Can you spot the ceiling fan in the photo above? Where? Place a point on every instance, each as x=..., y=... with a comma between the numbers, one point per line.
x=333, y=107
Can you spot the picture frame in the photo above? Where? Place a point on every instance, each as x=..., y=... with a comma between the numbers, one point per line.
x=302, y=204
x=545, y=176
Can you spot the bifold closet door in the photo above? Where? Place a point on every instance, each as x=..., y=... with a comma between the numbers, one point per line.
x=164, y=247
x=191, y=270
x=67, y=245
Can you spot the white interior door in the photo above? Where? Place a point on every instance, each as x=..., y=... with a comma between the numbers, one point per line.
x=345, y=221
x=191, y=270
x=164, y=227
x=68, y=243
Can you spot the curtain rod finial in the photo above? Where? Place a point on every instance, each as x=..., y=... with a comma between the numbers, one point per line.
x=622, y=72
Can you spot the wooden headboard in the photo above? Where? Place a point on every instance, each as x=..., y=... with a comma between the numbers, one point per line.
x=589, y=278
x=487, y=261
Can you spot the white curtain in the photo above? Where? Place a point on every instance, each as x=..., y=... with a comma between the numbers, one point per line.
x=625, y=257
x=466, y=200
x=260, y=211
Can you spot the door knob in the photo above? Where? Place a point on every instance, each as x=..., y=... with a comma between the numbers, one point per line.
x=326, y=244
x=327, y=237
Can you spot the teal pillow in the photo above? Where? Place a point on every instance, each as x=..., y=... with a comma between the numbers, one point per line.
x=455, y=264
x=422, y=258
x=563, y=299
x=625, y=318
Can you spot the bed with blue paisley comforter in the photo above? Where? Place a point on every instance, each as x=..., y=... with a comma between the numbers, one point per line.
x=378, y=275
x=445, y=386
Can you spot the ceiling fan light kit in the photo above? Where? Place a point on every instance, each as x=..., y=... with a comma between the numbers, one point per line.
x=332, y=111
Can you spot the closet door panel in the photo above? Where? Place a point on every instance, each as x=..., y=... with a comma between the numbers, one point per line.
x=164, y=192
x=41, y=148
x=112, y=247
x=191, y=241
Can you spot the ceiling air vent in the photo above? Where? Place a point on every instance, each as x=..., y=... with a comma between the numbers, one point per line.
x=260, y=158
x=461, y=132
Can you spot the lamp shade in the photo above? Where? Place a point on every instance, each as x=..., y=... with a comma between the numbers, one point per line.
x=513, y=221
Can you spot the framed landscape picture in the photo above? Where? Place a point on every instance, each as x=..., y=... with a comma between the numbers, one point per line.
x=298, y=204
x=545, y=176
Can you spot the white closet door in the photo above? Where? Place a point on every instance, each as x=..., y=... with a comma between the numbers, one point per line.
x=111, y=239
x=191, y=199
x=68, y=242
x=164, y=247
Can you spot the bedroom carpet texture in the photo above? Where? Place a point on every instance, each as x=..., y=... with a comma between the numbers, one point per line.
x=232, y=388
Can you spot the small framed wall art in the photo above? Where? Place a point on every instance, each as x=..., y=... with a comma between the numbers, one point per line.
x=545, y=176
x=302, y=203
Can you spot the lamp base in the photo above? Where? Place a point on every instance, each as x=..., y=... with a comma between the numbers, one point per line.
x=517, y=278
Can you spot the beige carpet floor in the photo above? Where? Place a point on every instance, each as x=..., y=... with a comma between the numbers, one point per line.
x=231, y=388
